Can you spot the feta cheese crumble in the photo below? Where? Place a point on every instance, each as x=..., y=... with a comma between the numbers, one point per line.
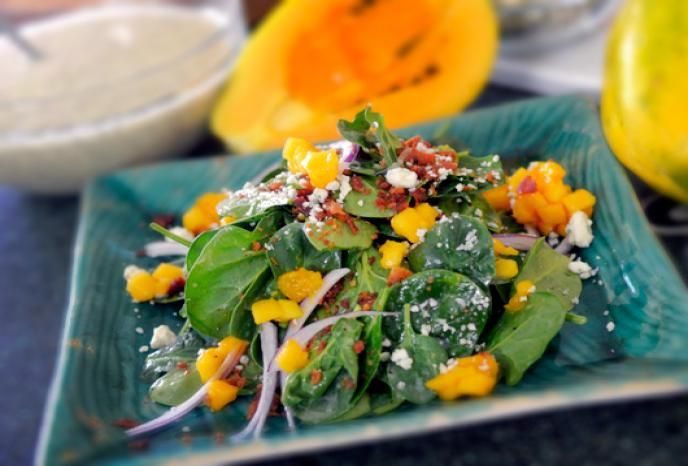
x=579, y=230
x=582, y=269
x=401, y=177
x=162, y=336
x=401, y=358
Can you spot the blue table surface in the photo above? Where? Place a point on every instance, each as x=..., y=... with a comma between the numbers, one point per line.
x=36, y=237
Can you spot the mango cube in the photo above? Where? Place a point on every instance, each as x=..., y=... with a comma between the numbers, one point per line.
x=299, y=284
x=393, y=253
x=220, y=394
x=470, y=376
x=407, y=222
x=280, y=310
x=294, y=152
x=506, y=268
x=209, y=362
x=292, y=357
x=322, y=167
x=142, y=287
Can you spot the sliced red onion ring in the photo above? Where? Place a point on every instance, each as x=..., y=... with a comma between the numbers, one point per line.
x=348, y=150
x=564, y=247
x=268, y=343
x=305, y=335
x=519, y=241
x=310, y=303
x=164, y=248
x=177, y=412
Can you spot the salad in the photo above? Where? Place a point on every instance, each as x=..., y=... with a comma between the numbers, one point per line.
x=361, y=275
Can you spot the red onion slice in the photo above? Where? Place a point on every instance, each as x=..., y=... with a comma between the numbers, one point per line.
x=564, y=247
x=309, y=304
x=519, y=241
x=164, y=248
x=177, y=412
x=268, y=343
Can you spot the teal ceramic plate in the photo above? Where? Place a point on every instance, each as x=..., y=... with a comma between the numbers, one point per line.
x=637, y=291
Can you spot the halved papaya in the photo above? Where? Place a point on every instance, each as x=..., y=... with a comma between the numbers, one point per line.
x=313, y=62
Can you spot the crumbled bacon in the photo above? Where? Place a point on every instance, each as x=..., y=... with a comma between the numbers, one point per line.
x=236, y=379
x=366, y=299
x=176, y=287
x=358, y=186
x=359, y=346
x=274, y=406
x=398, y=274
x=316, y=376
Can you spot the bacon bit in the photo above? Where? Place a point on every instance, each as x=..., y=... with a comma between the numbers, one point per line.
x=358, y=186
x=490, y=177
x=419, y=195
x=330, y=298
x=366, y=299
x=347, y=172
x=430, y=279
x=345, y=303
x=382, y=183
x=275, y=185
x=256, y=246
x=348, y=383
x=527, y=186
x=125, y=423
x=316, y=376
x=274, y=406
x=182, y=365
x=164, y=220
x=236, y=379
x=359, y=346
x=177, y=286
x=391, y=198
x=371, y=260
x=398, y=274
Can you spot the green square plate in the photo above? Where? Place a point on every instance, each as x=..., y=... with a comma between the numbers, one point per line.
x=637, y=288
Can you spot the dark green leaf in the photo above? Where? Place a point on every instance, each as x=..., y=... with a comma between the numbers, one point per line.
x=289, y=249
x=520, y=338
x=444, y=305
x=368, y=130
x=217, y=283
x=549, y=271
x=176, y=386
x=333, y=394
x=368, y=277
x=184, y=350
x=197, y=246
x=457, y=243
x=473, y=206
x=335, y=234
x=363, y=204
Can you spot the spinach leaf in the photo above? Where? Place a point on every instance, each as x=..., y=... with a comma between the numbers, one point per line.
x=176, y=386
x=197, y=246
x=520, y=338
x=364, y=204
x=444, y=305
x=220, y=280
x=457, y=243
x=473, y=206
x=549, y=271
x=335, y=234
x=476, y=174
x=337, y=364
x=184, y=350
x=368, y=130
x=368, y=277
x=425, y=353
x=381, y=403
x=289, y=249
x=272, y=220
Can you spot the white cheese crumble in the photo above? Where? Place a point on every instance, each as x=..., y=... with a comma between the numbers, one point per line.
x=401, y=358
x=579, y=230
x=401, y=177
x=130, y=271
x=610, y=326
x=139, y=330
x=244, y=359
x=344, y=187
x=425, y=329
x=143, y=349
x=580, y=268
x=401, y=385
x=162, y=336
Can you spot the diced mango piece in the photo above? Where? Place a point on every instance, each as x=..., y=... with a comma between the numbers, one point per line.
x=230, y=345
x=518, y=301
x=165, y=274
x=552, y=214
x=227, y=220
x=505, y=269
x=322, y=167
x=545, y=228
x=523, y=213
x=208, y=203
x=220, y=394
x=515, y=179
x=142, y=287
x=407, y=222
x=545, y=173
x=398, y=274
x=209, y=362
x=203, y=214
x=299, y=284
x=280, y=310
x=502, y=250
x=470, y=376
x=580, y=199
x=555, y=192
x=393, y=253
x=292, y=356
x=295, y=152
x=498, y=198
x=525, y=287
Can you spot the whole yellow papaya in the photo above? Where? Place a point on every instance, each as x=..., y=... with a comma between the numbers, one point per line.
x=645, y=93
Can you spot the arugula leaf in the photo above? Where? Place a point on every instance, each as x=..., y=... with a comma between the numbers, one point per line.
x=426, y=353
x=176, y=386
x=520, y=338
x=220, y=280
x=444, y=305
x=289, y=249
x=549, y=271
x=368, y=130
x=335, y=234
x=365, y=204
x=458, y=243
x=337, y=364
